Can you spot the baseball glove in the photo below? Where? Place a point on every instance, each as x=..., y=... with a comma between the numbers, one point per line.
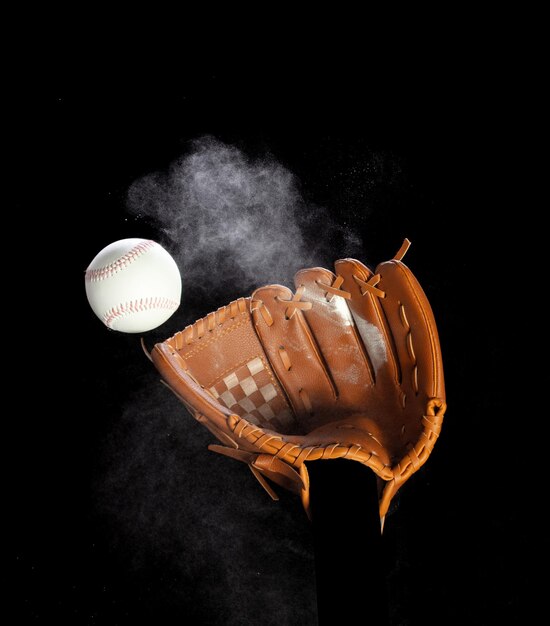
x=348, y=366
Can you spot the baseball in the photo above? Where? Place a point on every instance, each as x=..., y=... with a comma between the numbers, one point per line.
x=133, y=285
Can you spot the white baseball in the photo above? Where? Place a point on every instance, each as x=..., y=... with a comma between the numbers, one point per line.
x=133, y=285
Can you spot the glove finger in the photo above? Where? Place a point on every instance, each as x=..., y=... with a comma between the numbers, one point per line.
x=414, y=332
x=293, y=353
x=337, y=337
x=361, y=284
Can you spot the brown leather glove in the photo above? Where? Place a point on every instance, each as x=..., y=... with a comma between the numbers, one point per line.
x=349, y=366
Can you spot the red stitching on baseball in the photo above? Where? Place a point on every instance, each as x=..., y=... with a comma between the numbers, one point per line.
x=136, y=306
x=108, y=270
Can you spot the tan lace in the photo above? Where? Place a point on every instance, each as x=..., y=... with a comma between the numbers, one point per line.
x=402, y=250
x=370, y=286
x=296, y=303
x=334, y=289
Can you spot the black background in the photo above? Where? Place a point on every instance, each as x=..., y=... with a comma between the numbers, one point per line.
x=121, y=516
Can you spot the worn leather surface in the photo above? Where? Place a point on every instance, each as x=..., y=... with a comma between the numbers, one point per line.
x=349, y=365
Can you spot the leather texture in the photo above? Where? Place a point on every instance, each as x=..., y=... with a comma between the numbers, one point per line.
x=347, y=366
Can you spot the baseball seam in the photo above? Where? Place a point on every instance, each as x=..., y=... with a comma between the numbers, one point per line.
x=101, y=273
x=137, y=306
